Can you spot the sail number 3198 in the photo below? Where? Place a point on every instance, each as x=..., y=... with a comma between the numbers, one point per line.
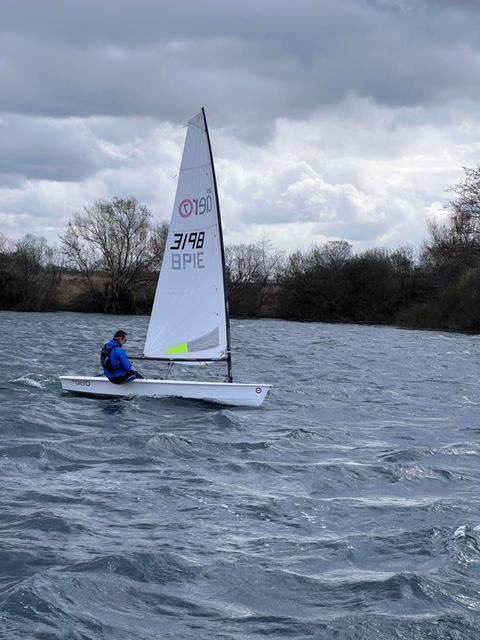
x=187, y=244
x=192, y=240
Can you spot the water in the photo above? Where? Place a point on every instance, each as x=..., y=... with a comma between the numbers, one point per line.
x=346, y=507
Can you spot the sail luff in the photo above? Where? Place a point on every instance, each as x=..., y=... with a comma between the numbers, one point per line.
x=222, y=251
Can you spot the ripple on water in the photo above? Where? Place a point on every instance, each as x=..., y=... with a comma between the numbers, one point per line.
x=346, y=507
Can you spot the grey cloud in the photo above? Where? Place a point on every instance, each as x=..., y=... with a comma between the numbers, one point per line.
x=248, y=62
x=89, y=87
x=11, y=180
x=47, y=149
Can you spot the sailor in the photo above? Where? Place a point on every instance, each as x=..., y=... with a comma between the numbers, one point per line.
x=116, y=365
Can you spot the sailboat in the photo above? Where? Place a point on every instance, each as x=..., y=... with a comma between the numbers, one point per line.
x=190, y=320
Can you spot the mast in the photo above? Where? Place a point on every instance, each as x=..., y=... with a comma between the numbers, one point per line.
x=222, y=251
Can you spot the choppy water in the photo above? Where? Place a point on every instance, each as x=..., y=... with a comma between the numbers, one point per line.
x=347, y=507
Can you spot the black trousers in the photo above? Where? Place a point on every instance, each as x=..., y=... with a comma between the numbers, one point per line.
x=126, y=377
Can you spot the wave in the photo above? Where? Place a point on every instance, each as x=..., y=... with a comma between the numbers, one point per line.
x=28, y=380
x=344, y=508
x=158, y=568
x=401, y=455
x=172, y=443
x=465, y=545
x=39, y=521
x=23, y=427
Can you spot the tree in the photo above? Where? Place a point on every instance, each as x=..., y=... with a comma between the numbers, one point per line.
x=312, y=285
x=403, y=265
x=7, y=245
x=52, y=276
x=455, y=245
x=8, y=292
x=30, y=274
x=372, y=295
x=113, y=245
x=251, y=273
x=27, y=262
x=465, y=208
x=157, y=244
x=451, y=256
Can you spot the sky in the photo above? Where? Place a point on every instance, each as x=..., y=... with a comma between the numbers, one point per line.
x=329, y=119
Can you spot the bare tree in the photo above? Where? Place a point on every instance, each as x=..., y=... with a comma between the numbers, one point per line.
x=52, y=276
x=464, y=223
x=455, y=245
x=27, y=261
x=7, y=245
x=251, y=271
x=403, y=264
x=113, y=245
x=157, y=244
x=36, y=270
x=466, y=206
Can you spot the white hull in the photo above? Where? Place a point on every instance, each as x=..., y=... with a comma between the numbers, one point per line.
x=237, y=394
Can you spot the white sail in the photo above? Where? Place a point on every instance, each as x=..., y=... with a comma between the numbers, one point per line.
x=188, y=318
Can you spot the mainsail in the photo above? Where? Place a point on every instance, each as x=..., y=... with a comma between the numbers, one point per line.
x=189, y=318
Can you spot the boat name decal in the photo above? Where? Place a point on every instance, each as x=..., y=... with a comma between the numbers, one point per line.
x=82, y=383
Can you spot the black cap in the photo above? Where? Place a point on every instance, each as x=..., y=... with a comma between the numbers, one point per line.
x=120, y=334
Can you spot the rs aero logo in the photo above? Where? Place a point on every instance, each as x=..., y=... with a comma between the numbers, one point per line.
x=195, y=206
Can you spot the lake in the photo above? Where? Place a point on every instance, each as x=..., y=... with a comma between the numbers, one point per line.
x=346, y=507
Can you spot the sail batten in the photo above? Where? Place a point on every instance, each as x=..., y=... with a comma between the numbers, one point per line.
x=189, y=316
x=200, y=166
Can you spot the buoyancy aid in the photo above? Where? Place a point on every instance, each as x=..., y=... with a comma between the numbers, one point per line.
x=105, y=356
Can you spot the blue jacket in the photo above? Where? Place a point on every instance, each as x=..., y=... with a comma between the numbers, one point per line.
x=118, y=359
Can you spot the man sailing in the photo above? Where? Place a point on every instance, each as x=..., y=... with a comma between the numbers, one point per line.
x=116, y=365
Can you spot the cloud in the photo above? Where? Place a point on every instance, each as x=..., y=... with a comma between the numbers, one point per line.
x=49, y=149
x=245, y=61
x=328, y=119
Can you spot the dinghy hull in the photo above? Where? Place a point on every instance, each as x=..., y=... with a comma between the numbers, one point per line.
x=234, y=394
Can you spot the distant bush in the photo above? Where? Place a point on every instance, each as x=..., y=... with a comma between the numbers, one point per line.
x=112, y=254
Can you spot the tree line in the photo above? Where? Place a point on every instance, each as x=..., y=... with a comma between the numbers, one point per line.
x=110, y=254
